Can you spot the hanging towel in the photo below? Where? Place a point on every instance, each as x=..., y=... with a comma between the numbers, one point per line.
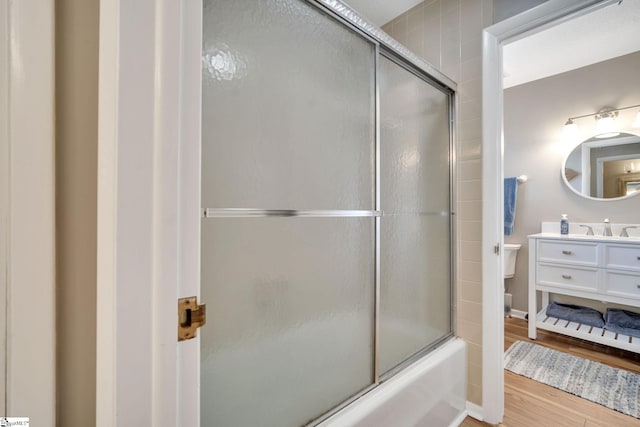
x=510, y=197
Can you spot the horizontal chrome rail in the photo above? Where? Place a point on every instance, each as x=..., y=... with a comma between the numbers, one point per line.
x=244, y=213
x=405, y=214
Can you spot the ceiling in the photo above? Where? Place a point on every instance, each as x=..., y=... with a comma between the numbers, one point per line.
x=606, y=33
x=381, y=11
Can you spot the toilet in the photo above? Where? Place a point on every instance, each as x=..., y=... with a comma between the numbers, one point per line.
x=510, y=254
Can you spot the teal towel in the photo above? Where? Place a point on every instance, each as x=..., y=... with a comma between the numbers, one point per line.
x=510, y=198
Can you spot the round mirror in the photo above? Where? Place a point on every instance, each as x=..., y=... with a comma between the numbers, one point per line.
x=604, y=167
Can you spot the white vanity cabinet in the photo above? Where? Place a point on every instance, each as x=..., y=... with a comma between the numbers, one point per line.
x=605, y=269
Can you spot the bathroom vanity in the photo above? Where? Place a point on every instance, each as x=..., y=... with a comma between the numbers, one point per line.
x=600, y=268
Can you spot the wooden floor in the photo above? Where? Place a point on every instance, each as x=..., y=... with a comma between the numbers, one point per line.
x=529, y=403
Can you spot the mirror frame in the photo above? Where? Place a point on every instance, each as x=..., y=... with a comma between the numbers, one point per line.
x=597, y=199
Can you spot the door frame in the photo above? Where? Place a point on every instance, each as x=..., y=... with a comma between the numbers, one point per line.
x=493, y=39
x=139, y=173
x=27, y=214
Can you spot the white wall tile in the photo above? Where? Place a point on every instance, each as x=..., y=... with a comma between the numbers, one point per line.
x=470, y=190
x=432, y=41
x=470, y=210
x=415, y=17
x=471, y=230
x=470, y=169
x=450, y=63
x=470, y=250
x=471, y=19
x=469, y=129
x=451, y=29
x=471, y=69
x=470, y=311
x=470, y=291
x=471, y=48
x=471, y=149
x=471, y=332
x=448, y=5
x=415, y=41
x=474, y=353
x=470, y=90
x=471, y=109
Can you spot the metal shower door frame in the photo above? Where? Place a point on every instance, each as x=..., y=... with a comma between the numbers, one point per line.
x=389, y=48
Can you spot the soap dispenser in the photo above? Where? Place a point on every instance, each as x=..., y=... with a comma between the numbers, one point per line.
x=564, y=224
x=607, y=228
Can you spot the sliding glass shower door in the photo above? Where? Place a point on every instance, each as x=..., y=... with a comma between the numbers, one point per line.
x=415, y=193
x=325, y=233
x=288, y=231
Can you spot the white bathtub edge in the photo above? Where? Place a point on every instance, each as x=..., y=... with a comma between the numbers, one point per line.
x=397, y=398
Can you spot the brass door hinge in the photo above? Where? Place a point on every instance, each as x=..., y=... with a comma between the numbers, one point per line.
x=190, y=317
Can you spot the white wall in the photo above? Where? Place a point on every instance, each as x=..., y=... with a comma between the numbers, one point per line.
x=28, y=195
x=534, y=115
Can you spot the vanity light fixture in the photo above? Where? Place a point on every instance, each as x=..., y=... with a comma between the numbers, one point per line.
x=605, y=122
x=570, y=131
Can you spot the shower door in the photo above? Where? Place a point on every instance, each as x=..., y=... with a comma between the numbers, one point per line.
x=326, y=220
x=288, y=198
x=415, y=229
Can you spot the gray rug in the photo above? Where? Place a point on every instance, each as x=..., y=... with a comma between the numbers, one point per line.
x=614, y=388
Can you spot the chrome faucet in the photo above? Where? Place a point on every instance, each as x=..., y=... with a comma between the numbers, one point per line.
x=607, y=228
x=624, y=233
x=589, y=229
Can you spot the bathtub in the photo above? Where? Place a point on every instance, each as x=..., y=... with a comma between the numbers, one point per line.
x=430, y=392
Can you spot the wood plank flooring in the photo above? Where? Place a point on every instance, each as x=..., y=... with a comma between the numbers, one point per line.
x=529, y=403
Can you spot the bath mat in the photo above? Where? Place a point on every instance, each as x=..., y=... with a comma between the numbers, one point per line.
x=611, y=387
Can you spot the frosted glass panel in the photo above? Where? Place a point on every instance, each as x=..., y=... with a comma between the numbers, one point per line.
x=288, y=123
x=415, y=296
x=285, y=85
x=290, y=305
x=414, y=286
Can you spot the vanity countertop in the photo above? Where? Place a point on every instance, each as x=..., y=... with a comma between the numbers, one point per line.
x=578, y=230
x=584, y=237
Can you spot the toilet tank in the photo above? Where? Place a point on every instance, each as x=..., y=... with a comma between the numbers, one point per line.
x=510, y=255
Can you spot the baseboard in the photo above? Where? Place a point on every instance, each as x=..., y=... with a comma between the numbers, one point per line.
x=459, y=420
x=475, y=411
x=519, y=314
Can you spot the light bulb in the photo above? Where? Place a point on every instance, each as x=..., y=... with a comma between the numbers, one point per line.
x=606, y=127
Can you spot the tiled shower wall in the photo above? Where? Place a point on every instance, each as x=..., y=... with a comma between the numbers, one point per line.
x=448, y=34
